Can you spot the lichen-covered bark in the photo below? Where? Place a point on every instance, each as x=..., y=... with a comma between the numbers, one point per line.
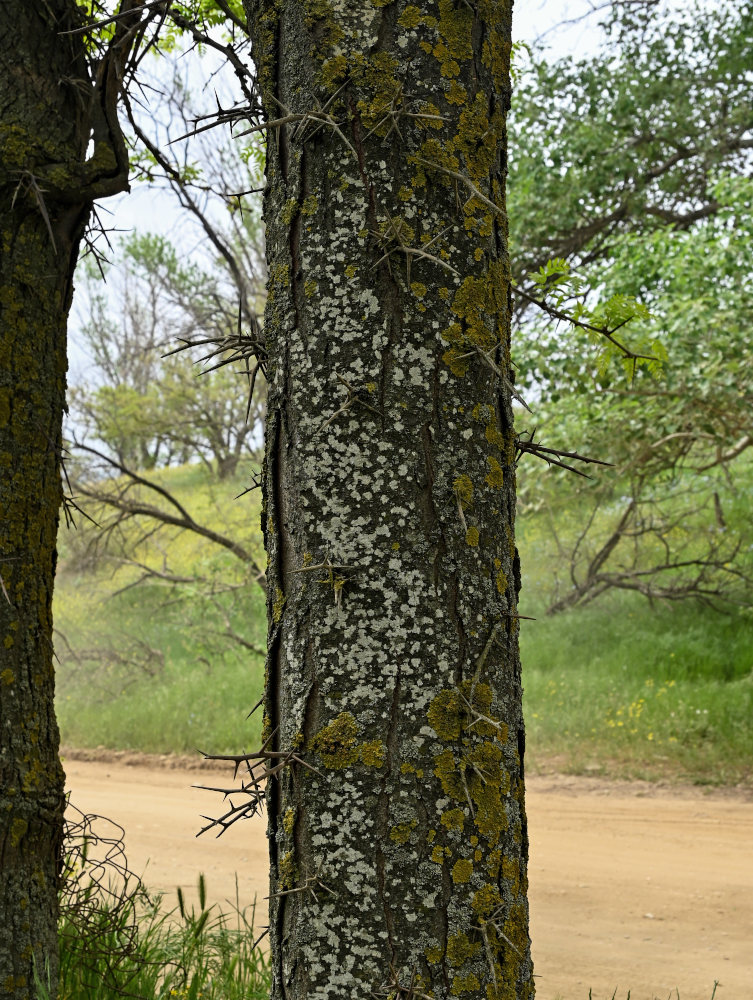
x=46, y=186
x=399, y=867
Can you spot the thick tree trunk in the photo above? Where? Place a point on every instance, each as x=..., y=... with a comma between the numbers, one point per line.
x=46, y=187
x=399, y=867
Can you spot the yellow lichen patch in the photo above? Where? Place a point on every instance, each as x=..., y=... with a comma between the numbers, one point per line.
x=350, y=271
x=501, y=581
x=289, y=211
x=511, y=870
x=17, y=830
x=432, y=153
x=496, y=49
x=288, y=871
x=33, y=778
x=7, y=676
x=336, y=743
x=310, y=204
x=434, y=955
x=418, y=289
x=309, y=288
x=495, y=436
x=410, y=17
x=377, y=76
x=333, y=72
x=455, y=26
x=456, y=94
x=495, y=477
x=446, y=769
x=456, y=360
x=478, y=138
x=437, y=855
x=473, y=303
x=463, y=487
x=488, y=781
x=447, y=715
x=460, y=949
x=472, y=536
x=429, y=116
x=288, y=821
x=462, y=871
x=372, y=754
x=453, y=819
x=465, y=983
x=279, y=604
x=493, y=864
x=486, y=900
x=400, y=834
x=516, y=927
x=449, y=67
x=467, y=707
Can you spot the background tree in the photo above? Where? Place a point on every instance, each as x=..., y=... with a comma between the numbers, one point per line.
x=145, y=398
x=61, y=148
x=644, y=152
x=56, y=102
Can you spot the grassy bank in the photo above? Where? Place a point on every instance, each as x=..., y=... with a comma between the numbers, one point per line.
x=618, y=688
x=624, y=690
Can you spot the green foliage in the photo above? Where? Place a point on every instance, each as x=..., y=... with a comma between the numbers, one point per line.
x=627, y=691
x=206, y=14
x=625, y=141
x=629, y=171
x=596, y=661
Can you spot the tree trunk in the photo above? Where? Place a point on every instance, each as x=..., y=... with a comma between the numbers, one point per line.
x=49, y=109
x=399, y=867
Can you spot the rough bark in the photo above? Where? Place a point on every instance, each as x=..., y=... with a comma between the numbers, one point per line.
x=400, y=868
x=49, y=110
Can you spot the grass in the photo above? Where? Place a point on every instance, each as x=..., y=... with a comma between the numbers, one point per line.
x=133, y=946
x=150, y=667
x=618, y=688
x=624, y=690
x=674, y=995
x=198, y=696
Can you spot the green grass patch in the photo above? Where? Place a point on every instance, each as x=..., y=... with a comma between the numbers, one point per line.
x=154, y=666
x=626, y=690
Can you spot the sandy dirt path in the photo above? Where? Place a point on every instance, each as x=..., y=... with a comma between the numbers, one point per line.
x=631, y=887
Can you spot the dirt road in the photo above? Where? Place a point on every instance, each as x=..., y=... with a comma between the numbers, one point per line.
x=632, y=888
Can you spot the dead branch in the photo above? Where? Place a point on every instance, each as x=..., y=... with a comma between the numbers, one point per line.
x=130, y=508
x=552, y=456
x=260, y=766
